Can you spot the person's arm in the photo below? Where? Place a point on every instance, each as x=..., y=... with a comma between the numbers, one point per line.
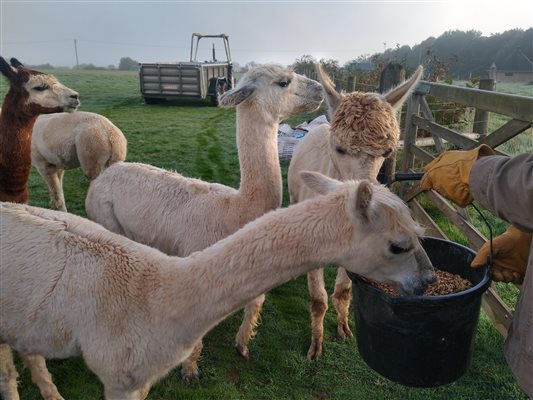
x=501, y=184
x=504, y=186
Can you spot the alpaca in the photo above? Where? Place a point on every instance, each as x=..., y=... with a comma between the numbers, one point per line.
x=134, y=313
x=70, y=140
x=180, y=215
x=363, y=132
x=30, y=93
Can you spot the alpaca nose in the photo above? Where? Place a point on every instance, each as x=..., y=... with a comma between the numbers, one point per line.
x=74, y=96
x=431, y=278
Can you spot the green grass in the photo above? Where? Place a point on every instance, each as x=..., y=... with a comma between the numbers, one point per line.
x=199, y=141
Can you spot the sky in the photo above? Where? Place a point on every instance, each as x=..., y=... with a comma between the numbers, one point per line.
x=102, y=32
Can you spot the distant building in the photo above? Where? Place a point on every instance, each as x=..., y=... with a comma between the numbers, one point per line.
x=517, y=67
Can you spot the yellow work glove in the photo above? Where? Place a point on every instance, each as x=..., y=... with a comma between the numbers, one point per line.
x=449, y=173
x=511, y=252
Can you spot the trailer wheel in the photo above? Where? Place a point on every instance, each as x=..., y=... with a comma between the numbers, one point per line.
x=221, y=86
x=151, y=100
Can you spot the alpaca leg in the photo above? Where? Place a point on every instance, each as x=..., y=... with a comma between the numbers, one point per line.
x=91, y=164
x=249, y=323
x=41, y=376
x=341, y=302
x=319, y=306
x=60, y=193
x=144, y=391
x=189, y=367
x=8, y=374
x=120, y=394
x=53, y=179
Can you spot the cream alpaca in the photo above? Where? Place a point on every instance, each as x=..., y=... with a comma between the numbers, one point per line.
x=70, y=140
x=134, y=313
x=363, y=131
x=180, y=215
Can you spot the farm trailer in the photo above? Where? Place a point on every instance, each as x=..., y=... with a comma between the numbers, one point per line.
x=188, y=79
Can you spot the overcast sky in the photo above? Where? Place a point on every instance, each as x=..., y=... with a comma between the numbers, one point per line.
x=38, y=32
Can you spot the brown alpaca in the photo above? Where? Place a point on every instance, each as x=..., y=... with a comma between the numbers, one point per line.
x=30, y=94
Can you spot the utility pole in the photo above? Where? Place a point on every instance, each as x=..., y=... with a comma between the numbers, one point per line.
x=76, y=51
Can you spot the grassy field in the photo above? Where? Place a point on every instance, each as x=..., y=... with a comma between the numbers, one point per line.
x=198, y=141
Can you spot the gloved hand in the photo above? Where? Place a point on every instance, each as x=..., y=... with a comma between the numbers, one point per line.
x=449, y=173
x=511, y=252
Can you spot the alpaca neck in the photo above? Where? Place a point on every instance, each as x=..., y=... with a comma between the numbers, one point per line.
x=258, y=156
x=266, y=253
x=15, y=149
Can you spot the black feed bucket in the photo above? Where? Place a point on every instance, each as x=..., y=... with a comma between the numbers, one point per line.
x=421, y=341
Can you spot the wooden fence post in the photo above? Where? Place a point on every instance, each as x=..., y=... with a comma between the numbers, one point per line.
x=481, y=117
x=413, y=108
x=392, y=75
x=350, y=84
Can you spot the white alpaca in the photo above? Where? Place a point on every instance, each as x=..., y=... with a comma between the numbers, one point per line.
x=180, y=215
x=364, y=130
x=134, y=313
x=71, y=140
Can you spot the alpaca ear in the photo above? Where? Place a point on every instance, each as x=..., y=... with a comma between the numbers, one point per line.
x=333, y=98
x=397, y=96
x=363, y=198
x=319, y=183
x=236, y=96
x=15, y=63
x=7, y=71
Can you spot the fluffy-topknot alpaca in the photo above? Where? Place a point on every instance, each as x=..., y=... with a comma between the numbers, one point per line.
x=180, y=215
x=364, y=131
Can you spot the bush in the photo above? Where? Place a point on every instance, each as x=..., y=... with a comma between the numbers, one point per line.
x=128, y=64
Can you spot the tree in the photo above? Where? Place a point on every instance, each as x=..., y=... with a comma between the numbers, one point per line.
x=127, y=64
x=305, y=65
x=332, y=67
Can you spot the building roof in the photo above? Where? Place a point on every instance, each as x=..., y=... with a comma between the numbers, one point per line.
x=516, y=61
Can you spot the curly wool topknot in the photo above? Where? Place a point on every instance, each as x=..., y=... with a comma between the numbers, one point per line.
x=365, y=122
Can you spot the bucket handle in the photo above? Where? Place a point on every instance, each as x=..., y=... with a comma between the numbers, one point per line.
x=490, y=257
x=415, y=176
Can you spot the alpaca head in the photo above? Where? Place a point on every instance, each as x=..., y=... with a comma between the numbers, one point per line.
x=34, y=92
x=277, y=92
x=383, y=240
x=364, y=128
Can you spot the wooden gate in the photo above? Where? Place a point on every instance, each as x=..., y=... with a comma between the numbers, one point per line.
x=419, y=116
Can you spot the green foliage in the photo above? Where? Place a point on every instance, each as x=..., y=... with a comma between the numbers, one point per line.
x=127, y=64
x=474, y=53
x=199, y=141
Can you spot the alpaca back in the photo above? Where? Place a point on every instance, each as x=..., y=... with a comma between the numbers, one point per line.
x=71, y=140
x=69, y=259
x=179, y=201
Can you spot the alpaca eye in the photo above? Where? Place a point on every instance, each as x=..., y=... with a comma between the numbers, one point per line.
x=397, y=249
x=340, y=151
x=41, y=88
x=387, y=153
x=284, y=83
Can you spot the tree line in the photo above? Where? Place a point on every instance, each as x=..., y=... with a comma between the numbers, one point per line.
x=453, y=55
